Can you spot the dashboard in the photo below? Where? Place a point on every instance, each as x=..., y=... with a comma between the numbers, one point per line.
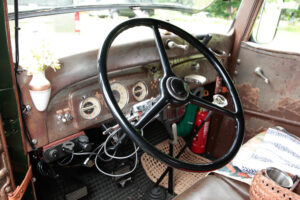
x=81, y=105
x=134, y=70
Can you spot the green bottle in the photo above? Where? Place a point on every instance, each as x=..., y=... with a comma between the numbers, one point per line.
x=185, y=126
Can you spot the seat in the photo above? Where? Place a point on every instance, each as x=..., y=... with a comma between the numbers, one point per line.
x=216, y=186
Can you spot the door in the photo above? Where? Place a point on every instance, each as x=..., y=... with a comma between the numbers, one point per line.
x=267, y=75
x=276, y=103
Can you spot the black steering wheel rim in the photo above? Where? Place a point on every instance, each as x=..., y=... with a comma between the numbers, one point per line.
x=133, y=132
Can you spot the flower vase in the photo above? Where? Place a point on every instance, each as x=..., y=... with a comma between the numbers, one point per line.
x=40, y=90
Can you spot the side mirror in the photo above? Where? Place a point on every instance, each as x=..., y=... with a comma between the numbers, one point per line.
x=266, y=25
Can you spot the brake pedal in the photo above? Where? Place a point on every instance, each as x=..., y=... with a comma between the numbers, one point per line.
x=77, y=194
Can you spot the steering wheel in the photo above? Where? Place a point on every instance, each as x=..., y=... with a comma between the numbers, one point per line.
x=172, y=90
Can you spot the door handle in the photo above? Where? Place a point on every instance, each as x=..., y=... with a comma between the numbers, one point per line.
x=260, y=73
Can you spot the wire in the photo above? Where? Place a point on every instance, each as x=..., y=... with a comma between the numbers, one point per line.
x=117, y=157
x=97, y=152
x=103, y=146
x=94, y=154
x=116, y=175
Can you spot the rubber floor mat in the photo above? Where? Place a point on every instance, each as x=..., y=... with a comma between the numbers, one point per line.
x=99, y=186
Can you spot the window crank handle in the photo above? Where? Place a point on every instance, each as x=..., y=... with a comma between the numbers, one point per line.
x=170, y=44
x=260, y=73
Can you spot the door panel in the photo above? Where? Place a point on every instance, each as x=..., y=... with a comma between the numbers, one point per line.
x=276, y=103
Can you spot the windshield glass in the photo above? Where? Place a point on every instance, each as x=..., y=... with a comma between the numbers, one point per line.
x=30, y=5
x=71, y=27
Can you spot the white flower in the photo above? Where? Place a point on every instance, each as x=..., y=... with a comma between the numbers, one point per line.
x=40, y=59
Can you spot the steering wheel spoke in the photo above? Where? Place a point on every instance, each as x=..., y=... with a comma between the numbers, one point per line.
x=150, y=114
x=206, y=104
x=162, y=52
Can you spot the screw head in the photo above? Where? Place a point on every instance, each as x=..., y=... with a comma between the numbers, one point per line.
x=34, y=141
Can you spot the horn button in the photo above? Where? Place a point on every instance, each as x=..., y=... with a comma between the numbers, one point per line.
x=177, y=89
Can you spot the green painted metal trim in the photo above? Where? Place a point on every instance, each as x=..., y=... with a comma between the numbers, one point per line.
x=9, y=109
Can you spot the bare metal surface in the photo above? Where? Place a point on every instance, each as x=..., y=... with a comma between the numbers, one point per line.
x=271, y=117
x=273, y=104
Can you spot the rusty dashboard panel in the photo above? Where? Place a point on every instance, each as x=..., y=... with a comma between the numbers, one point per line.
x=81, y=105
x=77, y=79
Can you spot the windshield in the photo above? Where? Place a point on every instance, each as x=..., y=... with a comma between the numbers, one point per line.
x=47, y=5
x=70, y=27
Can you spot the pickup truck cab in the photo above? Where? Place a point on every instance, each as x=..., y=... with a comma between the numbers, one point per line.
x=148, y=106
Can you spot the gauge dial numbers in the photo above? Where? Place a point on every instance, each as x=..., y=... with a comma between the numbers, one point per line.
x=90, y=108
x=139, y=91
x=120, y=93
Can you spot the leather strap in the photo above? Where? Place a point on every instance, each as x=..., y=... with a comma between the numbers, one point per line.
x=20, y=190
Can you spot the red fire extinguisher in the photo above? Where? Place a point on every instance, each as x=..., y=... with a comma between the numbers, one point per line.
x=199, y=141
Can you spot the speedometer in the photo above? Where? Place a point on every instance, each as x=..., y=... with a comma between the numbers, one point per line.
x=120, y=94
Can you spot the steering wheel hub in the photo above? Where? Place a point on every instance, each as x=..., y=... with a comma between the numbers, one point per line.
x=177, y=88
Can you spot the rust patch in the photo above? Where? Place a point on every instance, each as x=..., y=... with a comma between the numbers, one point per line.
x=248, y=95
x=290, y=105
x=287, y=108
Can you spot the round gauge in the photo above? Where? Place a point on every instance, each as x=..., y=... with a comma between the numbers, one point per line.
x=120, y=94
x=139, y=91
x=90, y=108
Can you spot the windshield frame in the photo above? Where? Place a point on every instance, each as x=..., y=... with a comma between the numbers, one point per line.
x=79, y=8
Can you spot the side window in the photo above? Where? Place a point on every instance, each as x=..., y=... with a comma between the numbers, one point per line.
x=278, y=25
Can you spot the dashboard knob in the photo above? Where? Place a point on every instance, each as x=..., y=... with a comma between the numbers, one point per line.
x=53, y=153
x=63, y=119
x=68, y=116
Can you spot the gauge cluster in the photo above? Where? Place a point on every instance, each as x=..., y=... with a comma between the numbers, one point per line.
x=90, y=107
x=88, y=103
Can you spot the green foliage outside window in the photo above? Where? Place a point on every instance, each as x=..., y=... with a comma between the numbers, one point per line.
x=224, y=9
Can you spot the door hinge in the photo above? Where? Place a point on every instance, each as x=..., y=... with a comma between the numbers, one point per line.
x=20, y=190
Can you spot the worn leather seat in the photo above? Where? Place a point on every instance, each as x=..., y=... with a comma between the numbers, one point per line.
x=216, y=187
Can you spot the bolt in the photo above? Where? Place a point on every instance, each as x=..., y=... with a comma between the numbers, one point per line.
x=34, y=141
x=33, y=179
x=196, y=66
x=238, y=61
x=28, y=107
x=8, y=189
